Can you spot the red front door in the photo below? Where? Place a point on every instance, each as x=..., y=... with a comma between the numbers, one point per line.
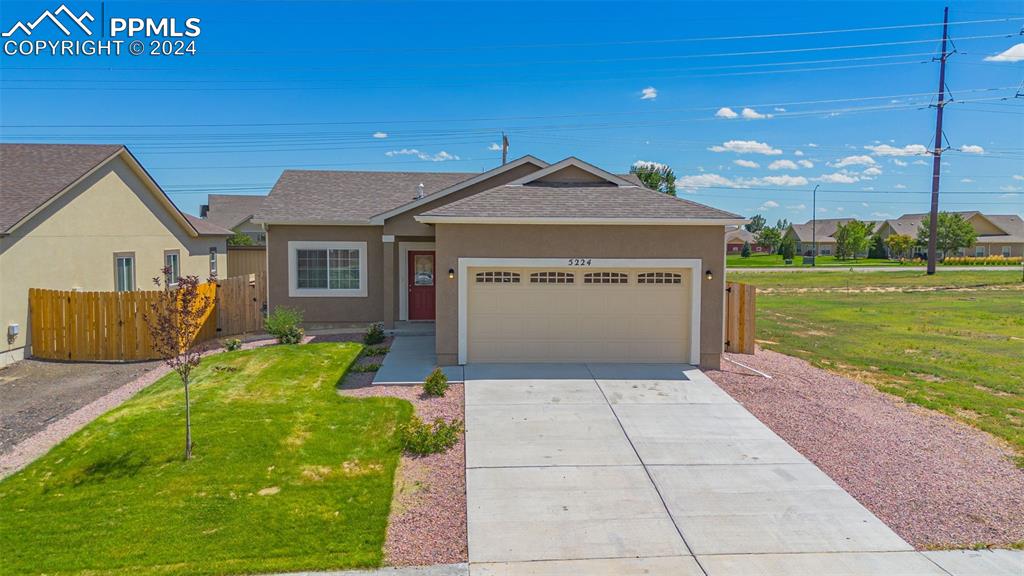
x=421, y=285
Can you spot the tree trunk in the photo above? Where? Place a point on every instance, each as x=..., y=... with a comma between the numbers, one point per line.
x=188, y=425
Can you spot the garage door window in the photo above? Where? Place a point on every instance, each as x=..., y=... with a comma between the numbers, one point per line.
x=605, y=278
x=497, y=277
x=659, y=278
x=552, y=278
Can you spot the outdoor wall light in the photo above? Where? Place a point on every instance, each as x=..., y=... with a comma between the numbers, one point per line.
x=451, y=273
x=708, y=275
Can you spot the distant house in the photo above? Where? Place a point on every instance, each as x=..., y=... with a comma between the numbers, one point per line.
x=235, y=212
x=820, y=232
x=88, y=217
x=998, y=234
x=735, y=239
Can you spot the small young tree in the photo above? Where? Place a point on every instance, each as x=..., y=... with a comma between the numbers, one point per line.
x=769, y=238
x=877, y=249
x=954, y=232
x=851, y=239
x=899, y=245
x=240, y=239
x=174, y=320
x=655, y=176
x=787, y=248
x=745, y=252
x=756, y=223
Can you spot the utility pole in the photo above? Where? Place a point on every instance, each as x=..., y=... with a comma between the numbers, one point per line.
x=814, y=225
x=504, y=148
x=933, y=221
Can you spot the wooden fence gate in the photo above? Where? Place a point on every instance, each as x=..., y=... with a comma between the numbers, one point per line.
x=740, y=300
x=241, y=301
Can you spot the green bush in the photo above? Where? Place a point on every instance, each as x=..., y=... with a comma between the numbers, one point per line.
x=374, y=334
x=364, y=368
x=375, y=351
x=421, y=438
x=284, y=324
x=232, y=344
x=436, y=384
x=745, y=253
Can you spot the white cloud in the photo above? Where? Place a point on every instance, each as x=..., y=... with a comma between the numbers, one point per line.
x=838, y=178
x=746, y=147
x=768, y=205
x=649, y=93
x=780, y=109
x=1018, y=177
x=704, y=180
x=822, y=210
x=805, y=163
x=972, y=149
x=872, y=171
x=882, y=215
x=1010, y=188
x=751, y=114
x=782, y=165
x=812, y=145
x=746, y=163
x=1014, y=53
x=966, y=180
x=798, y=153
x=899, y=162
x=854, y=161
x=441, y=156
x=919, y=163
x=494, y=147
x=726, y=112
x=864, y=204
x=900, y=186
x=840, y=209
x=908, y=150
x=783, y=180
x=797, y=207
x=649, y=164
x=1011, y=195
x=380, y=135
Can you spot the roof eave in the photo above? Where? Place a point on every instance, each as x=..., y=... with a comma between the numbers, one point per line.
x=273, y=222
x=426, y=219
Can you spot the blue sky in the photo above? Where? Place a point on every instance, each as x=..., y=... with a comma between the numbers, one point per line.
x=430, y=86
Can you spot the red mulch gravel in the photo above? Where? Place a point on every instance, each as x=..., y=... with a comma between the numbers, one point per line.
x=428, y=514
x=937, y=482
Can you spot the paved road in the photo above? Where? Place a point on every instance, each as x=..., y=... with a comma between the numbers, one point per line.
x=614, y=469
x=878, y=269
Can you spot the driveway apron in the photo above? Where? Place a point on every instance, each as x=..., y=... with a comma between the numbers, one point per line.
x=650, y=469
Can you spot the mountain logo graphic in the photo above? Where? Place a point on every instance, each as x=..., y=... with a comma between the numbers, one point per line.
x=26, y=28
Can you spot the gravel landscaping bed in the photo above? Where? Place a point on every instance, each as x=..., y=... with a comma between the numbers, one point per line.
x=935, y=481
x=428, y=514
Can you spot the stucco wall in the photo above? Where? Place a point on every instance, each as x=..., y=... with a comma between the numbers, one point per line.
x=514, y=241
x=329, y=310
x=71, y=244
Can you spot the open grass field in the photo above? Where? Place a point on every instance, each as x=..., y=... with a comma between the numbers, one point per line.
x=959, y=351
x=287, y=475
x=776, y=261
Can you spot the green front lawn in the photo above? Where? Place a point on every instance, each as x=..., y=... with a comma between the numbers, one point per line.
x=287, y=475
x=776, y=261
x=959, y=352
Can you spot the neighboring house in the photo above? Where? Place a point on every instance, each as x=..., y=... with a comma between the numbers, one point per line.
x=998, y=234
x=528, y=262
x=734, y=240
x=821, y=232
x=235, y=212
x=88, y=217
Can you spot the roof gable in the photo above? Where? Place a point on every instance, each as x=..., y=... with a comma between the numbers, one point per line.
x=231, y=210
x=572, y=170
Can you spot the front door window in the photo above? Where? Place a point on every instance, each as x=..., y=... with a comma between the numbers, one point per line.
x=424, y=266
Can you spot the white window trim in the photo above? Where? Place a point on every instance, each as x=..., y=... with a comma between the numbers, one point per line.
x=694, y=264
x=293, y=280
x=403, y=273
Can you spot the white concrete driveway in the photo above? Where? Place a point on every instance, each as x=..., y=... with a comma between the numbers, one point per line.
x=650, y=469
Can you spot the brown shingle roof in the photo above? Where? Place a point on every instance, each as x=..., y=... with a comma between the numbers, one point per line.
x=826, y=227
x=230, y=210
x=575, y=201
x=740, y=236
x=31, y=174
x=304, y=196
x=206, y=228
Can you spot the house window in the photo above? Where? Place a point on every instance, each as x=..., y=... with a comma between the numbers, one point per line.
x=1006, y=251
x=659, y=278
x=173, y=266
x=552, y=278
x=826, y=251
x=498, y=277
x=961, y=252
x=605, y=278
x=213, y=262
x=979, y=251
x=124, y=272
x=327, y=269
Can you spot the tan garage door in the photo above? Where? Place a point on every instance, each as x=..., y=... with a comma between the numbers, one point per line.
x=578, y=315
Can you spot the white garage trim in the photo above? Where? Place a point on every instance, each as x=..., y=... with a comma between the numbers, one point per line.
x=403, y=274
x=694, y=264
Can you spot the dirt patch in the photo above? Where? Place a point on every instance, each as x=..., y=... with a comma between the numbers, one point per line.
x=35, y=393
x=937, y=482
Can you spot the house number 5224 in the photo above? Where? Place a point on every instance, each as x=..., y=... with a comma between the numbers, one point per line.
x=579, y=261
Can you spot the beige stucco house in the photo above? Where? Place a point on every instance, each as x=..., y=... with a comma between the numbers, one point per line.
x=88, y=217
x=998, y=234
x=528, y=262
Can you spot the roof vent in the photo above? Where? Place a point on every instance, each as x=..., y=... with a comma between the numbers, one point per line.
x=419, y=191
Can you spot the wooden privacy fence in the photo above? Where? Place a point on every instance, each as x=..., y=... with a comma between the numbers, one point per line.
x=240, y=304
x=245, y=260
x=71, y=325
x=740, y=300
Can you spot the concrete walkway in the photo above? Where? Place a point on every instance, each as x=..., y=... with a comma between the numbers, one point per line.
x=650, y=469
x=412, y=358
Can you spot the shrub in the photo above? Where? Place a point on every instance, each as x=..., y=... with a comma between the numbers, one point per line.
x=374, y=334
x=421, y=438
x=232, y=344
x=364, y=368
x=284, y=324
x=436, y=384
x=745, y=252
x=375, y=350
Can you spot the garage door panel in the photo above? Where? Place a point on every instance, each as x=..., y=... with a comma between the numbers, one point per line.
x=570, y=321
